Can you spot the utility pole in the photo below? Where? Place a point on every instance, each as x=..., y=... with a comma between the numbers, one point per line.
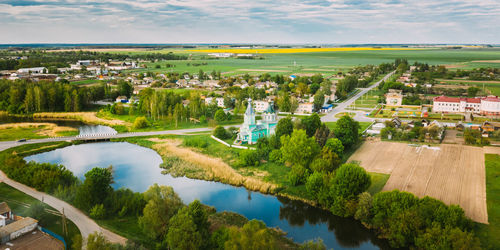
x=64, y=226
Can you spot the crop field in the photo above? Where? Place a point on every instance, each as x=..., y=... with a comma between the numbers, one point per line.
x=491, y=87
x=323, y=62
x=452, y=173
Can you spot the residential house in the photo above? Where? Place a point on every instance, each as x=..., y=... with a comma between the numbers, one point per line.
x=305, y=108
x=5, y=214
x=218, y=100
x=394, y=97
x=261, y=106
x=122, y=99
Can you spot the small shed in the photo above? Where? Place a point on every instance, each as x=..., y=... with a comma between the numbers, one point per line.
x=16, y=229
x=122, y=99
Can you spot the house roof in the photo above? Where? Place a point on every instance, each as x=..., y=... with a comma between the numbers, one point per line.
x=16, y=226
x=4, y=208
x=492, y=99
x=457, y=99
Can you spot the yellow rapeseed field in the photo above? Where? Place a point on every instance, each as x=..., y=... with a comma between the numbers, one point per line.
x=292, y=50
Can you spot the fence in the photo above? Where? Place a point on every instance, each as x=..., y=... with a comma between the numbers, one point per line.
x=57, y=236
x=229, y=145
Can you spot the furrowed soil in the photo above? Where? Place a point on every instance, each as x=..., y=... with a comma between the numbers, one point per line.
x=454, y=174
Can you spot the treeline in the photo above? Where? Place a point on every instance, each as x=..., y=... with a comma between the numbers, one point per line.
x=40, y=58
x=25, y=96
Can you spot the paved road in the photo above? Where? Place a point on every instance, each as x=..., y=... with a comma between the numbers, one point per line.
x=9, y=144
x=84, y=223
x=341, y=107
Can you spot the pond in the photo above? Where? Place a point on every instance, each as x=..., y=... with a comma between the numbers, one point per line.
x=137, y=168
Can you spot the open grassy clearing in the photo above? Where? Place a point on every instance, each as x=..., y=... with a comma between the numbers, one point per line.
x=368, y=100
x=490, y=234
x=16, y=131
x=20, y=202
x=451, y=173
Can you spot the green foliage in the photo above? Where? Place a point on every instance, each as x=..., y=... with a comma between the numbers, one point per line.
x=98, y=211
x=311, y=123
x=253, y=235
x=275, y=156
x=298, y=148
x=42, y=176
x=196, y=142
x=284, y=127
x=313, y=245
x=97, y=241
x=314, y=183
x=182, y=232
x=37, y=211
x=363, y=212
x=140, y=122
x=347, y=131
x=322, y=134
x=249, y=158
x=77, y=242
x=95, y=189
x=298, y=175
x=437, y=237
x=162, y=204
x=335, y=145
x=221, y=133
x=218, y=238
x=349, y=181
x=220, y=115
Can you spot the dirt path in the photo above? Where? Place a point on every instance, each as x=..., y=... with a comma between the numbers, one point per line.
x=454, y=174
x=82, y=221
x=215, y=168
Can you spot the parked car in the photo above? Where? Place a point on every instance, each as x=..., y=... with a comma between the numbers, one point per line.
x=21, y=140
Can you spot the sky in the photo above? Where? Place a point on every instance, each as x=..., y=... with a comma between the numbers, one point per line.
x=253, y=21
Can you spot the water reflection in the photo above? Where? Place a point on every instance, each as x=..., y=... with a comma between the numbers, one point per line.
x=96, y=129
x=137, y=168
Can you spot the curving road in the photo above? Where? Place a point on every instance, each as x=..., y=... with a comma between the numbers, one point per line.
x=360, y=115
x=82, y=221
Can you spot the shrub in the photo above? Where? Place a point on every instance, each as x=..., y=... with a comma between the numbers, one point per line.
x=140, y=122
x=298, y=175
x=275, y=156
x=220, y=115
x=97, y=211
x=249, y=158
x=221, y=133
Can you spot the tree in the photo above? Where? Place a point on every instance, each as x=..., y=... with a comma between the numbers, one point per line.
x=363, y=213
x=322, y=134
x=314, y=183
x=294, y=104
x=313, y=88
x=472, y=91
x=182, y=233
x=97, y=241
x=200, y=219
x=335, y=145
x=253, y=235
x=220, y=115
x=221, y=133
x=98, y=211
x=319, y=100
x=284, y=127
x=37, y=211
x=298, y=148
x=311, y=123
x=140, y=122
x=347, y=131
x=125, y=88
x=350, y=180
x=162, y=204
x=437, y=237
x=96, y=188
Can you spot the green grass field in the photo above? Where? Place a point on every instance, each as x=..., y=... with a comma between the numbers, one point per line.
x=86, y=82
x=378, y=182
x=327, y=63
x=490, y=234
x=12, y=134
x=362, y=125
x=368, y=100
x=19, y=203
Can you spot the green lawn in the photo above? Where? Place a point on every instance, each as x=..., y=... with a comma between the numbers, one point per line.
x=378, y=182
x=19, y=201
x=86, y=82
x=490, y=234
x=362, y=125
x=12, y=134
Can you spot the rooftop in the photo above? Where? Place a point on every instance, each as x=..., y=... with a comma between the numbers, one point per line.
x=4, y=208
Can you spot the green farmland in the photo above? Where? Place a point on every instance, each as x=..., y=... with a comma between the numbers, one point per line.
x=327, y=63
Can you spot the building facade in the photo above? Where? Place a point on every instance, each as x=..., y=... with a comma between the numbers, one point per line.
x=251, y=130
x=488, y=106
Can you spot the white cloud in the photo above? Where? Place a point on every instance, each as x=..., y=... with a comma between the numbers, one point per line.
x=281, y=21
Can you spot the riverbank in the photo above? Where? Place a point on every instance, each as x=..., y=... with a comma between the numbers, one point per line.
x=34, y=130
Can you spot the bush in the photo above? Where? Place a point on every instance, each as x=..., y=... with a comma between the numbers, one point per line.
x=298, y=175
x=97, y=211
x=249, y=158
x=220, y=115
x=221, y=133
x=275, y=156
x=140, y=122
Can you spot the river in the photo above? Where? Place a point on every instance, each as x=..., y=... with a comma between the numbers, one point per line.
x=137, y=168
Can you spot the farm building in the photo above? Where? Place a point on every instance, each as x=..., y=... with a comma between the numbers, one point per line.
x=17, y=229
